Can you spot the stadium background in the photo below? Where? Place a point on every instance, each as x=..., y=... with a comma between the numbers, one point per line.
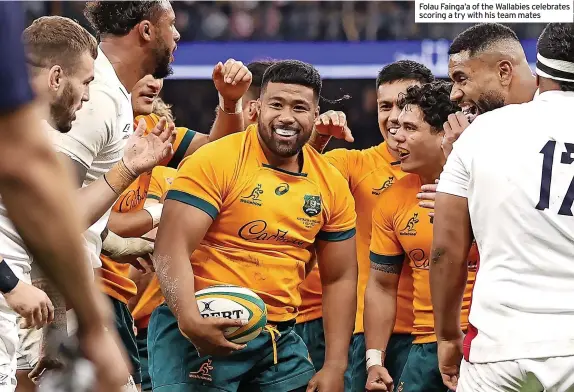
x=347, y=41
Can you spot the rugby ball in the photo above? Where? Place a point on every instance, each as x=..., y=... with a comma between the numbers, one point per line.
x=234, y=302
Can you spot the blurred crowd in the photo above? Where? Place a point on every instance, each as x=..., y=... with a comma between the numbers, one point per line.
x=283, y=20
x=288, y=21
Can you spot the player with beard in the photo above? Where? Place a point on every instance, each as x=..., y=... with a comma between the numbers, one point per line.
x=48, y=224
x=489, y=70
x=264, y=180
x=369, y=174
x=522, y=309
x=401, y=234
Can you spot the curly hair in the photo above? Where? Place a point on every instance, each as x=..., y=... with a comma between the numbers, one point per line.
x=120, y=17
x=434, y=101
x=293, y=72
x=162, y=109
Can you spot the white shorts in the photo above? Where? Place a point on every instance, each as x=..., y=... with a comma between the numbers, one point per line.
x=8, y=344
x=524, y=375
x=28, y=351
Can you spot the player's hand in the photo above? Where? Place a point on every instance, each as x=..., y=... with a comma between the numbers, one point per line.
x=449, y=358
x=207, y=336
x=333, y=123
x=45, y=363
x=32, y=304
x=231, y=79
x=428, y=196
x=117, y=247
x=143, y=152
x=378, y=379
x=329, y=378
x=453, y=128
x=102, y=348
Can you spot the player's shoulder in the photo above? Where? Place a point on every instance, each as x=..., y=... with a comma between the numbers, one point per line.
x=404, y=189
x=219, y=152
x=160, y=172
x=319, y=163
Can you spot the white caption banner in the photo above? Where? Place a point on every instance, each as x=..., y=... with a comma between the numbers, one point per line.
x=501, y=11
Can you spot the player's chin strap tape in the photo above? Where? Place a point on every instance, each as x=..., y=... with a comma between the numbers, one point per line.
x=559, y=70
x=8, y=280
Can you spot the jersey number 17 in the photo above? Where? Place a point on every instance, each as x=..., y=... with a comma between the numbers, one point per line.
x=566, y=158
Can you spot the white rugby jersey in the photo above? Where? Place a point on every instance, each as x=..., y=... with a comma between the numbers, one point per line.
x=98, y=136
x=515, y=166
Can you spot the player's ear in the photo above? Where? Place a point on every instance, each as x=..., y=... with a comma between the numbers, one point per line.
x=317, y=113
x=258, y=107
x=252, y=111
x=55, y=77
x=505, y=72
x=144, y=30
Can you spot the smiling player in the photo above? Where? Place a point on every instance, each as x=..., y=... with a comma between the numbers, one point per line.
x=402, y=233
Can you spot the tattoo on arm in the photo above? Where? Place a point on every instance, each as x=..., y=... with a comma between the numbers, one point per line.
x=394, y=269
x=436, y=255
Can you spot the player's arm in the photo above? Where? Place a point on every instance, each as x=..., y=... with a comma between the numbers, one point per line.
x=387, y=257
x=89, y=135
x=232, y=80
x=339, y=281
x=452, y=239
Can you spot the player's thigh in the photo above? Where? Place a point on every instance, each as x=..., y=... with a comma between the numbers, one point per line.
x=141, y=340
x=506, y=376
x=313, y=336
x=421, y=373
x=125, y=327
x=555, y=374
x=397, y=353
x=284, y=369
x=356, y=373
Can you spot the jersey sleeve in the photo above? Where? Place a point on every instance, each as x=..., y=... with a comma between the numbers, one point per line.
x=201, y=180
x=342, y=217
x=159, y=182
x=16, y=89
x=183, y=139
x=455, y=177
x=91, y=131
x=385, y=247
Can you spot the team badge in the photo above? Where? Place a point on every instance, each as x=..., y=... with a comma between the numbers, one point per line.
x=312, y=206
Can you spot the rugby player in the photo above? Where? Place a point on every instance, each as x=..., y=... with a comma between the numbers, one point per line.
x=520, y=205
x=369, y=173
x=402, y=234
x=212, y=207
x=41, y=183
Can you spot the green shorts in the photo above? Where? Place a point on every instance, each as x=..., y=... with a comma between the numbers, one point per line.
x=174, y=365
x=421, y=372
x=313, y=335
x=141, y=340
x=398, y=350
x=125, y=326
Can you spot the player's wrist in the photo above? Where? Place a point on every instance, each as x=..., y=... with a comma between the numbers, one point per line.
x=119, y=177
x=154, y=210
x=339, y=365
x=230, y=106
x=8, y=279
x=374, y=357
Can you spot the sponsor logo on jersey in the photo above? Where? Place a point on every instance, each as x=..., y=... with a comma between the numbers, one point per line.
x=257, y=231
x=282, y=189
x=253, y=197
x=410, y=226
x=386, y=185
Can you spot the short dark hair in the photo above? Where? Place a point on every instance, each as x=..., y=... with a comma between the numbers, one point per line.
x=120, y=17
x=56, y=40
x=404, y=70
x=257, y=69
x=479, y=37
x=293, y=72
x=434, y=101
x=557, y=43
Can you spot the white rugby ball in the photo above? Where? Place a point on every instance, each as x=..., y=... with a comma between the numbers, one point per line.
x=234, y=302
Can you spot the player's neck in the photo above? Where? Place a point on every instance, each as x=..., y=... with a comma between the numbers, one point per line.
x=430, y=173
x=126, y=63
x=292, y=164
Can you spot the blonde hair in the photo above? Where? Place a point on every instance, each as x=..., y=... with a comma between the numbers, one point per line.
x=162, y=109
